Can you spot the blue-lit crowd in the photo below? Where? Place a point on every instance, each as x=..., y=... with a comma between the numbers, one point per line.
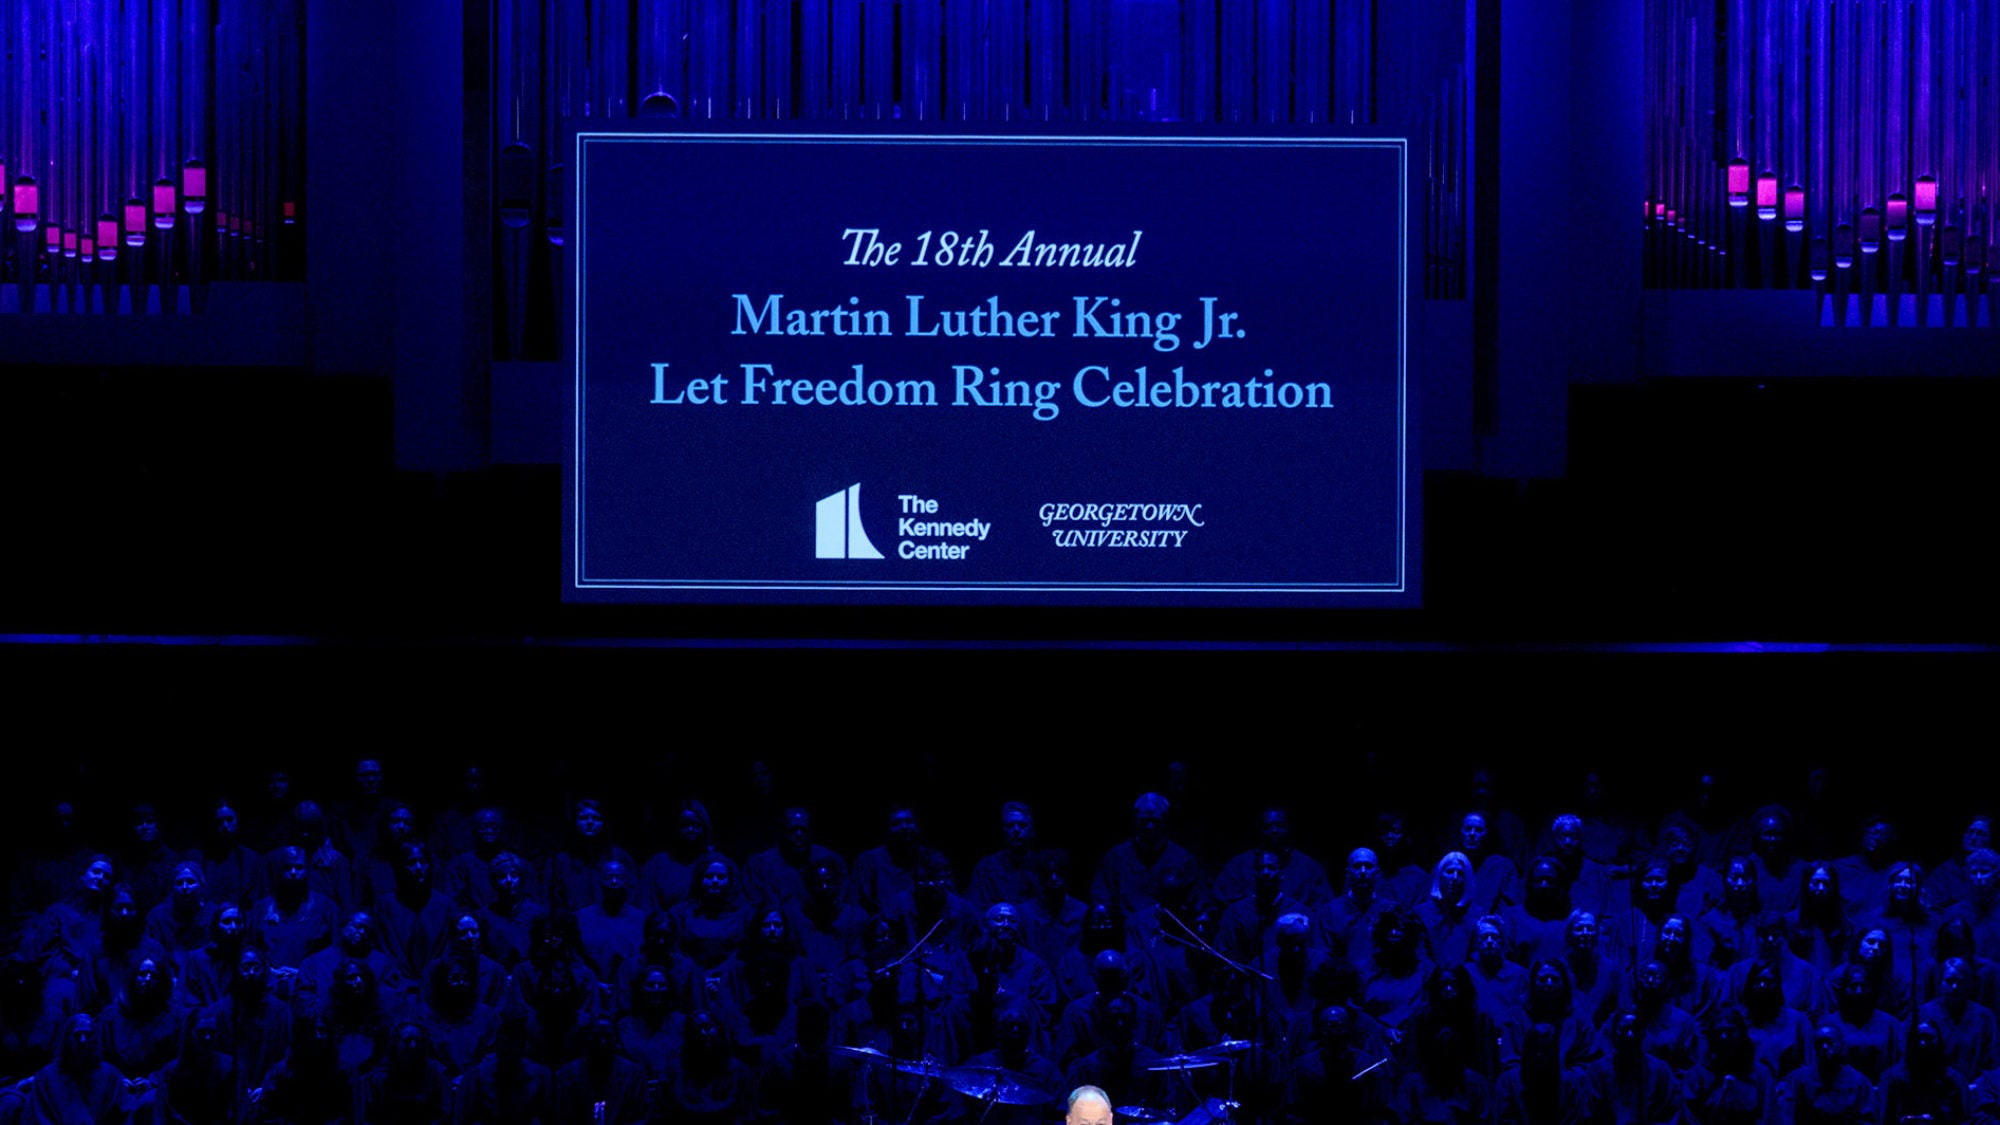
x=360, y=959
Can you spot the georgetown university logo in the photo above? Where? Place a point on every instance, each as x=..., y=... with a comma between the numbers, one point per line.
x=837, y=530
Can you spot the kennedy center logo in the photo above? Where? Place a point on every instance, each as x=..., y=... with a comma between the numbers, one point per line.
x=837, y=530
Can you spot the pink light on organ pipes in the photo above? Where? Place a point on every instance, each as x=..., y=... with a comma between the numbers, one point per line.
x=69, y=243
x=1767, y=196
x=1795, y=209
x=1926, y=200
x=135, y=223
x=107, y=237
x=163, y=204
x=1871, y=230
x=1739, y=183
x=54, y=240
x=291, y=212
x=87, y=250
x=1898, y=217
x=27, y=205
x=194, y=187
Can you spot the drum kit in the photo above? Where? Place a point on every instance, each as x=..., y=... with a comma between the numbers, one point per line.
x=993, y=1085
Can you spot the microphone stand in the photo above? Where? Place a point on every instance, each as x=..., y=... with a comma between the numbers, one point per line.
x=1256, y=997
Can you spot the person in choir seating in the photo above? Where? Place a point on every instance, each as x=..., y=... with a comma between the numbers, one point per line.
x=670, y=874
x=1508, y=831
x=1600, y=984
x=612, y=928
x=34, y=1014
x=1131, y=872
x=1778, y=874
x=1875, y=954
x=1585, y=881
x=271, y=819
x=890, y=868
x=1728, y=930
x=1539, y=924
x=79, y=1087
x=1731, y=1085
x=206, y=972
x=256, y=1025
x=1300, y=876
x=1950, y=885
x=1052, y=919
x=1391, y=994
x=1120, y=1060
x=146, y=863
x=1333, y=1080
x=1872, y=1039
x=46, y=866
x=464, y=944
x=1403, y=878
x=467, y=875
x=1542, y=1087
x=712, y=923
x=1669, y=1032
x=828, y=930
x=809, y=1084
x=460, y=1025
x=357, y=1018
x=1691, y=984
x=1343, y=926
x=1707, y=818
x=1780, y=1035
x=375, y=877
x=70, y=930
x=1695, y=889
x=1825, y=1090
x=1502, y=986
x=180, y=924
x=1446, y=913
x=1285, y=992
x=358, y=818
x=602, y=1088
x=1980, y=909
x=1608, y=836
x=410, y=1086
x=507, y=1087
x=1820, y=932
x=141, y=1028
x=1450, y=1008
x=1651, y=903
x=760, y=994
x=1970, y=1030
x=456, y=829
x=231, y=870
x=506, y=922
x=1805, y=987
x=199, y=1085
x=931, y=908
x=1906, y=918
x=1922, y=1086
x=650, y=1031
x=412, y=922
x=1081, y=1027
x=1642, y=1088
x=1008, y=875
x=560, y=1001
x=123, y=944
x=571, y=877
x=1022, y=979
x=1249, y=923
x=1497, y=879
x=1551, y=1001
x=329, y=871
x=1864, y=875
x=1013, y=1051
x=782, y=875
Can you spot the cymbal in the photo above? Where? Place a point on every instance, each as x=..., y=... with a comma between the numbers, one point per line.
x=1226, y=1047
x=996, y=1084
x=1139, y=1113
x=1185, y=1062
x=922, y=1068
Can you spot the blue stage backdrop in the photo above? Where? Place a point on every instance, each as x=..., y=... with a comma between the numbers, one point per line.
x=1168, y=368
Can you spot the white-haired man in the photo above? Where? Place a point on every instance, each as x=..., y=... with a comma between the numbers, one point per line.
x=1088, y=1105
